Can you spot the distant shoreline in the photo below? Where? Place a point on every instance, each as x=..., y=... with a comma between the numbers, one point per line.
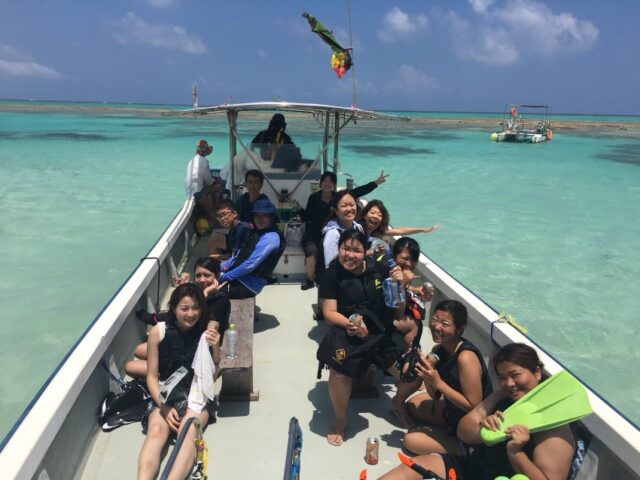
x=586, y=127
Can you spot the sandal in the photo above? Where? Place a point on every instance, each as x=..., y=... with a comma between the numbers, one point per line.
x=335, y=436
x=307, y=284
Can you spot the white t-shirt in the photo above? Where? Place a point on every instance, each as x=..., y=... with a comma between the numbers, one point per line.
x=198, y=175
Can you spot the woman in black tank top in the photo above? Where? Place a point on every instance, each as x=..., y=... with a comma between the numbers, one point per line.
x=458, y=382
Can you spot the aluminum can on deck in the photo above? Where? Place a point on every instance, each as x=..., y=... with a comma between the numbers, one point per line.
x=372, y=453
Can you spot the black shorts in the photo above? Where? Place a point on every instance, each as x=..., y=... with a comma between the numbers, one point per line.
x=310, y=249
x=452, y=468
x=388, y=350
x=238, y=291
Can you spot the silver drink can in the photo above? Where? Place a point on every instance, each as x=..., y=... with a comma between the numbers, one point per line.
x=358, y=321
x=428, y=286
x=432, y=359
x=372, y=453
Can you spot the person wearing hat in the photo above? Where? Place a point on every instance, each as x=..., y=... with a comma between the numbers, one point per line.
x=249, y=269
x=198, y=181
x=270, y=140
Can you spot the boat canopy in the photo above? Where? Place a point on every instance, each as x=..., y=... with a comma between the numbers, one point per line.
x=353, y=113
x=331, y=118
x=530, y=106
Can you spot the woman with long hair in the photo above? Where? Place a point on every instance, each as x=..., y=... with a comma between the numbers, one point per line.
x=206, y=273
x=375, y=218
x=172, y=346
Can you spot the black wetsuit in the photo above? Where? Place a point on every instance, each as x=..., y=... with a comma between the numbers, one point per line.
x=363, y=294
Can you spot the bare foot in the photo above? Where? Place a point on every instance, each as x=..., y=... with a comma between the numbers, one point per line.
x=334, y=437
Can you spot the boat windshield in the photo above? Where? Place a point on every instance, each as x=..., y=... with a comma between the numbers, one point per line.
x=277, y=145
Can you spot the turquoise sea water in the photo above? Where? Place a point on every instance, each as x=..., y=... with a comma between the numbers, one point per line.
x=546, y=232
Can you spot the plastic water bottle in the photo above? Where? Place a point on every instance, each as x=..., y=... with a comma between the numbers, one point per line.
x=232, y=342
x=393, y=291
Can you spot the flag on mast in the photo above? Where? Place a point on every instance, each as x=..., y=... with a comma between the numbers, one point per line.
x=341, y=57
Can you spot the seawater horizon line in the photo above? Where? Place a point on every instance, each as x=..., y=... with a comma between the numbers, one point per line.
x=129, y=104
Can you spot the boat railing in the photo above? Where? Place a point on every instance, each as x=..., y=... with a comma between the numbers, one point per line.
x=26, y=445
x=616, y=433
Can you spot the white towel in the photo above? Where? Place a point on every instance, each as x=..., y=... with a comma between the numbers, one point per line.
x=202, y=383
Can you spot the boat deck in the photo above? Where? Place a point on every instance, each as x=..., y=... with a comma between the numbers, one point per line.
x=249, y=438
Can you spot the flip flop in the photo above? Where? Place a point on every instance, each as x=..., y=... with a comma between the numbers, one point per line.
x=334, y=437
x=337, y=439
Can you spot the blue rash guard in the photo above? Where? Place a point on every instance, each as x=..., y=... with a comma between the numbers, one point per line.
x=267, y=244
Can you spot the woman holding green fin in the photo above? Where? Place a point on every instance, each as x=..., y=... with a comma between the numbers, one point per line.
x=542, y=455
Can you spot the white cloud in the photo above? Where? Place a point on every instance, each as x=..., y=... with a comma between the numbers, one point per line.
x=262, y=54
x=16, y=64
x=162, y=3
x=132, y=29
x=535, y=22
x=397, y=25
x=502, y=35
x=410, y=80
x=480, y=6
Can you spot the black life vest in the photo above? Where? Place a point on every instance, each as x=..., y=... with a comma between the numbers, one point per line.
x=268, y=265
x=373, y=305
x=176, y=350
x=448, y=369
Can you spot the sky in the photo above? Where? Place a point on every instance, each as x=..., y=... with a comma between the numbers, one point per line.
x=580, y=56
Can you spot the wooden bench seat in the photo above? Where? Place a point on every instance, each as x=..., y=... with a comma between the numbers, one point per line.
x=237, y=374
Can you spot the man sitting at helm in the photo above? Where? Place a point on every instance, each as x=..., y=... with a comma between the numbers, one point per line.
x=269, y=140
x=250, y=268
x=276, y=146
x=199, y=180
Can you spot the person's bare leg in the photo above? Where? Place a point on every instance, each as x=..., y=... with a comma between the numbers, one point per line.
x=310, y=267
x=141, y=351
x=339, y=393
x=403, y=391
x=136, y=368
x=186, y=455
x=157, y=436
x=423, y=407
x=426, y=440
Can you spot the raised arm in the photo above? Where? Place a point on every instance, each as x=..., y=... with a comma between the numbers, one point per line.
x=410, y=230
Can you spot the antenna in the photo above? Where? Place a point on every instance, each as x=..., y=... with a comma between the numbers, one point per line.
x=194, y=95
x=353, y=64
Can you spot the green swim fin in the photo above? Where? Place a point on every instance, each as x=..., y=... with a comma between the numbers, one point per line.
x=559, y=400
